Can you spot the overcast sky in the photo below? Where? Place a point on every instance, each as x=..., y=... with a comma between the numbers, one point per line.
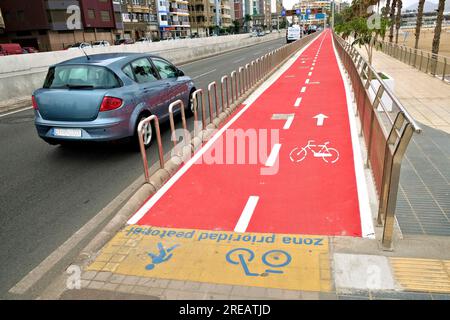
x=289, y=3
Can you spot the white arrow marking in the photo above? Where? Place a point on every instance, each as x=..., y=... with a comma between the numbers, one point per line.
x=320, y=118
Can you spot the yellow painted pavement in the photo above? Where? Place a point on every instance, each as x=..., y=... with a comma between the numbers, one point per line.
x=297, y=262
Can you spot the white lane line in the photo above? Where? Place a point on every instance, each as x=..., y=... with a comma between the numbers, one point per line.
x=312, y=68
x=313, y=64
x=13, y=112
x=303, y=89
x=238, y=60
x=246, y=215
x=273, y=155
x=307, y=81
x=309, y=74
x=297, y=102
x=288, y=123
x=204, y=74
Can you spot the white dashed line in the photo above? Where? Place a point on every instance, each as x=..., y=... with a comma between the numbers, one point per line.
x=303, y=89
x=288, y=123
x=297, y=102
x=309, y=74
x=246, y=215
x=274, y=154
x=307, y=81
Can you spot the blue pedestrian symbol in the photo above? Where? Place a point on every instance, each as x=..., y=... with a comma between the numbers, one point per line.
x=162, y=256
x=274, y=259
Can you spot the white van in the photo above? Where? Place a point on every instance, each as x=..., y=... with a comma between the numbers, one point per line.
x=293, y=33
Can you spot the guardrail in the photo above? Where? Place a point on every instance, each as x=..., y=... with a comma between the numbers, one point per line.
x=242, y=83
x=386, y=127
x=434, y=64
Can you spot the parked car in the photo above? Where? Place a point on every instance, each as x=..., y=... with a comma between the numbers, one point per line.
x=79, y=45
x=30, y=49
x=144, y=40
x=100, y=43
x=124, y=41
x=7, y=49
x=104, y=98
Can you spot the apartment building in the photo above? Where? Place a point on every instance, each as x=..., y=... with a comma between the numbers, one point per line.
x=56, y=24
x=207, y=16
x=139, y=19
x=173, y=18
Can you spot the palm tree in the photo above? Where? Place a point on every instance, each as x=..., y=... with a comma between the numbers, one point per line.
x=438, y=28
x=385, y=11
x=398, y=19
x=392, y=18
x=419, y=22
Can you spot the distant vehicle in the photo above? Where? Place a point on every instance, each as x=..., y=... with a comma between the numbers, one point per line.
x=31, y=49
x=254, y=34
x=312, y=29
x=124, y=41
x=7, y=49
x=79, y=45
x=293, y=33
x=260, y=33
x=104, y=98
x=100, y=43
x=144, y=40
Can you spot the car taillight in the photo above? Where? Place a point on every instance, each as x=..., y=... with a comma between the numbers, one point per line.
x=35, y=105
x=110, y=103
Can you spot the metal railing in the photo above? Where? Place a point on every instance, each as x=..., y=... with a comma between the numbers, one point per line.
x=434, y=64
x=386, y=127
x=242, y=82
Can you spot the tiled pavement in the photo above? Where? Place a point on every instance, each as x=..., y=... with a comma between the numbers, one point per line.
x=423, y=205
x=105, y=285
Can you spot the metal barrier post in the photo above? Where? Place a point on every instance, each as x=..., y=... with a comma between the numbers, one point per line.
x=224, y=79
x=394, y=180
x=445, y=69
x=195, y=101
x=147, y=121
x=172, y=123
x=234, y=88
x=210, y=100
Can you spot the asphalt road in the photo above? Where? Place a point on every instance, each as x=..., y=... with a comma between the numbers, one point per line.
x=48, y=192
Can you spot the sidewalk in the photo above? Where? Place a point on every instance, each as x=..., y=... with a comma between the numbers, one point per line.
x=423, y=205
x=290, y=247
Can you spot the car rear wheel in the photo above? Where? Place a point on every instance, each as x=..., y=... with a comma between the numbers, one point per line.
x=189, y=110
x=147, y=134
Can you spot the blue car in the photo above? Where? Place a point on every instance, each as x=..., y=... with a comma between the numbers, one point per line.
x=103, y=97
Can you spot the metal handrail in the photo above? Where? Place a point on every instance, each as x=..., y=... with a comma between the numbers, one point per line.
x=395, y=141
x=405, y=54
x=140, y=131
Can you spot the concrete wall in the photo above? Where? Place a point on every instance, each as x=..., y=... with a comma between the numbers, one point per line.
x=20, y=75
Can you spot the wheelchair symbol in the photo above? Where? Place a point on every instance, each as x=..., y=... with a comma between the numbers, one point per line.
x=273, y=259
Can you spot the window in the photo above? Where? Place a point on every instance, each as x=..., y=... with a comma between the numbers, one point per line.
x=105, y=16
x=143, y=71
x=81, y=76
x=91, y=14
x=129, y=72
x=165, y=69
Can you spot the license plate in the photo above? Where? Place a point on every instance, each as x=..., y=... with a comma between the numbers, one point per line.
x=62, y=132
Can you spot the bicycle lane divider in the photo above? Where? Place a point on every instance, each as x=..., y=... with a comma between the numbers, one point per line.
x=269, y=260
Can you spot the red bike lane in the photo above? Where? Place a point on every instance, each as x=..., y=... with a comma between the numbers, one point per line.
x=304, y=184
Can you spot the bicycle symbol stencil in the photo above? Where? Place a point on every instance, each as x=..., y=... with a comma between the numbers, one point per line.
x=328, y=154
x=274, y=259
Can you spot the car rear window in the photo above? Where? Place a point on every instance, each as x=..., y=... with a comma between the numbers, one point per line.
x=81, y=76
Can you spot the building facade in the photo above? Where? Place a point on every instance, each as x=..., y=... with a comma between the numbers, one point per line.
x=210, y=16
x=317, y=11
x=173, y=18
x=56, y=24
x=139, y=19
